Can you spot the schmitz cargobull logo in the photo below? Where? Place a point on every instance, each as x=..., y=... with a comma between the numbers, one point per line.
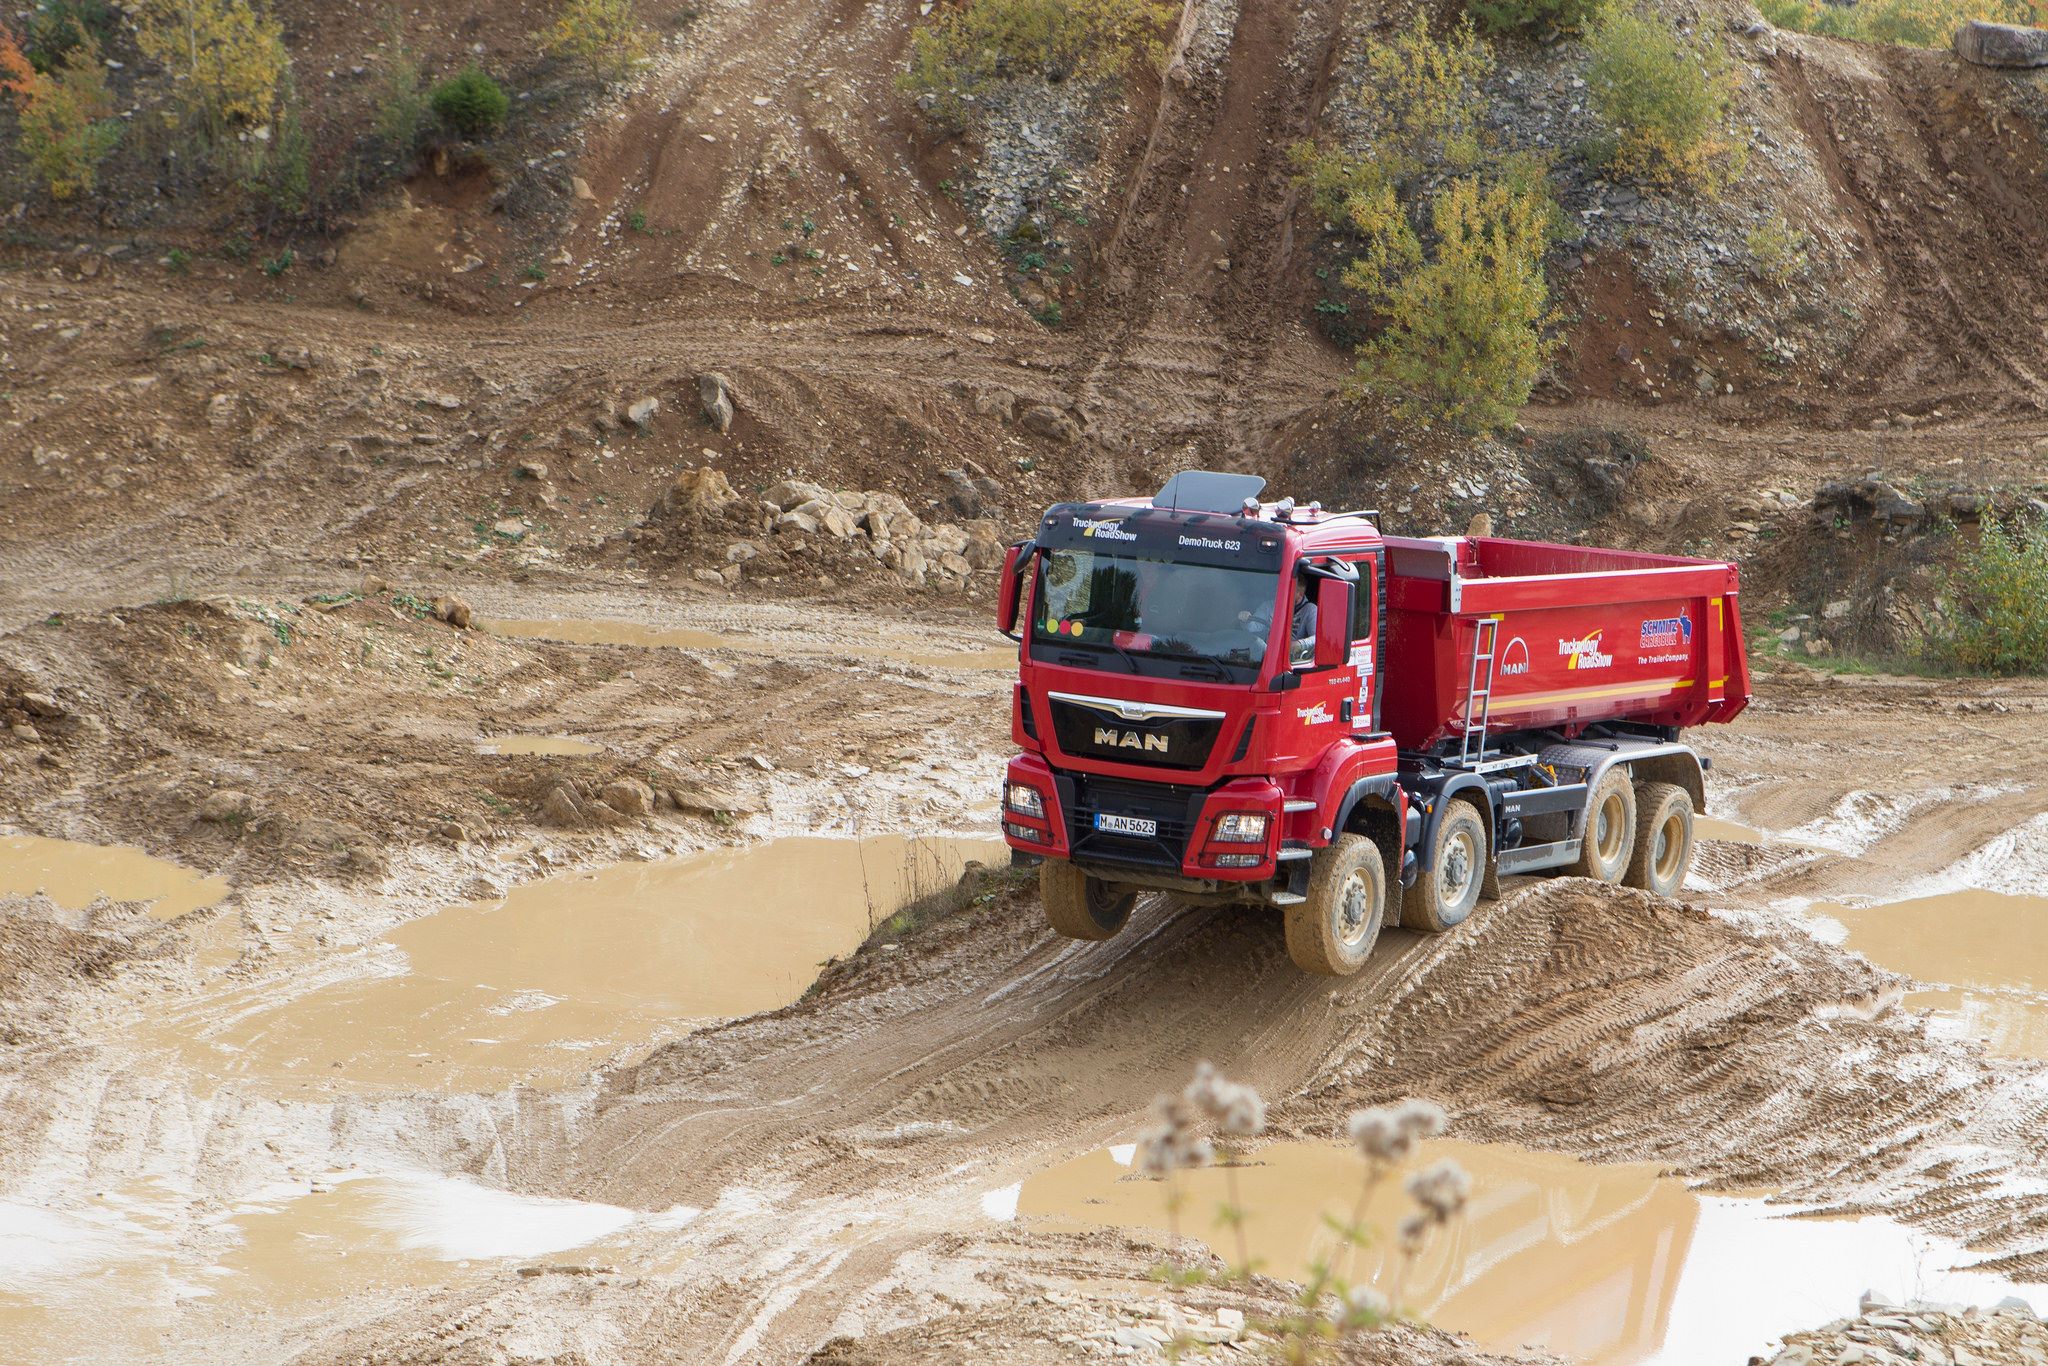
x=1131, y=739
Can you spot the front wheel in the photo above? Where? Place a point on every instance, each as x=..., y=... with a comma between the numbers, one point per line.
x=1079, y=906
x=1663, y=853
x=1446, y=894
x=1332, y=930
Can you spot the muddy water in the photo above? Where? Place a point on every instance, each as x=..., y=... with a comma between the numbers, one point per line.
x=575, y=631
x=76, y=875
x=1610, y=1264
x=110, y=1280
x=1986, y=951
x=548, y=982
x=559, y=746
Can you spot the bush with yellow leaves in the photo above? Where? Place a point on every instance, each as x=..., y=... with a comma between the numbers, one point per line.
x=968, y=45
x=602, y=38
x=1910, y=23
x=64, y=117
x=1449, y=238
x=1665, y=96
x=225, y=59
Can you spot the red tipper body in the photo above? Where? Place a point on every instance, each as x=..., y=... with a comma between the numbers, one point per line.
x=1581, y=636
x=1172, y=733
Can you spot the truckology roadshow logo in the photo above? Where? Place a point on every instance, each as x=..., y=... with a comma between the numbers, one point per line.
x=1103, y=530
x=1663, y=632
x=1584, y=653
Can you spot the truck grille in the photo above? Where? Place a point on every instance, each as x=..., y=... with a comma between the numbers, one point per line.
x=1175, y=808
x=1162, y=742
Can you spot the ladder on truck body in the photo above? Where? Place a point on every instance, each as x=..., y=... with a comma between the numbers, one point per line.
x=1479, y=691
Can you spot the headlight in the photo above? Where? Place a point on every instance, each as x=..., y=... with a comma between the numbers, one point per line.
x=1241, y=827
x=1019, y=797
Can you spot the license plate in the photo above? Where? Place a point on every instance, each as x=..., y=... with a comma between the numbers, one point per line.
x=1125, y=825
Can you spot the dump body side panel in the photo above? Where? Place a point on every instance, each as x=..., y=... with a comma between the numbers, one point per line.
x=1580, y=636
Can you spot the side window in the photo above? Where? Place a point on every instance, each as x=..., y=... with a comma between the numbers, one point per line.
x=1365, y=603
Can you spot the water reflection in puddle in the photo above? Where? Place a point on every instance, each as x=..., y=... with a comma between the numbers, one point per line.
x=558, y=746
x=1610, y=1264
x=1987, y=951
x=75, y=875
x=585, y=631
x=108, y=1280
x=546, y=983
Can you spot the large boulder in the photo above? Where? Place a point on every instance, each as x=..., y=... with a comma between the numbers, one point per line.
x=2002, y=44
x=1042, y=419
x=714, y=391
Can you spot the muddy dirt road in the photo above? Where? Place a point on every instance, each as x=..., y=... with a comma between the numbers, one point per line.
x=501, y=1023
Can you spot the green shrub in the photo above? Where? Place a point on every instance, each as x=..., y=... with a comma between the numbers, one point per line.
x=471, y=102
x=1777, y=251
x=1912, y=23
x=1532, y=16
x=1666, y=99
x=284, y=176
x=401, y=109
x=1997, y=598
x=603, y=38
x=968, y=45
x=58, y=26
x=64, y=119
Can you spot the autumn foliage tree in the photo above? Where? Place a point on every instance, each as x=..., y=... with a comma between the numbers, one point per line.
x=225, y=59
x=64, y=117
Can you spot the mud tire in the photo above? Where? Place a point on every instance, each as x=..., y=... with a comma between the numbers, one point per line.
x=1458, y=873
x=1332, y=932
x=1079, y=906
x=1663, y=846
x=1610, y=835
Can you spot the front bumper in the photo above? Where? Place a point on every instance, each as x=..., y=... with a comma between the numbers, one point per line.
x=1182, y=820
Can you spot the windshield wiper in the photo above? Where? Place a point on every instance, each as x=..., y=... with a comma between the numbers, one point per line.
x=1217, y=672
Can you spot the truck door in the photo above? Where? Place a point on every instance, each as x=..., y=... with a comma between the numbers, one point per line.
x=1368, y=610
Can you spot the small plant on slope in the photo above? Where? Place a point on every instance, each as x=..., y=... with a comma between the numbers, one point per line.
x=1997, y=599
x=603, y=38
x=1665, y=97
x=968, y=45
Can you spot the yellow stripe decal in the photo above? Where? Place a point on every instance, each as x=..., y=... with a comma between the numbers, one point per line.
x=1648, y=685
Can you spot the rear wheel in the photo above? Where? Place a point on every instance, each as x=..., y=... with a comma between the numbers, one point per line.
x=1610, y=835
x=1332, y=931
x=1663, y=852
x=1079, y=906
x=1446, y=894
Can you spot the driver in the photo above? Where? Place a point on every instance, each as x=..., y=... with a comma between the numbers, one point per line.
x=1302, y=627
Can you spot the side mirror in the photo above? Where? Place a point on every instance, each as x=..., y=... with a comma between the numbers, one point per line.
x=1333, y=622
x=1010, y=586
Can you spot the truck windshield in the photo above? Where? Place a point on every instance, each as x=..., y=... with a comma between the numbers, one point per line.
x=1129, y=608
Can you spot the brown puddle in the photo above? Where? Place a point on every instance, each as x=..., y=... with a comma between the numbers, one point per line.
x=584, y=631
x=112, y=1273
x=74, y=875
x=558, y=746
x=563, y=973
x=1987, y=950
x=1608, y=1264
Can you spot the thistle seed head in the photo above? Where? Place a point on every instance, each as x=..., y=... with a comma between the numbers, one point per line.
x=1380, y=1136
x=1421, y=1118
x=1412, y=1231
x=1237, y=1110
x=1169, y=1143
x=1441, y=1189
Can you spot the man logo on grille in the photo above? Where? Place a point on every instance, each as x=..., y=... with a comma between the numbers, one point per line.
x=1130, y=739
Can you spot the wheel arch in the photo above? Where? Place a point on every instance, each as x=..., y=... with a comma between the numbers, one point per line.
x=1375, y=808
x=1465, y=787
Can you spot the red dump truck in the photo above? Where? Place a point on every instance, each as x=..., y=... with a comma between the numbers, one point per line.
x=1230, y=699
